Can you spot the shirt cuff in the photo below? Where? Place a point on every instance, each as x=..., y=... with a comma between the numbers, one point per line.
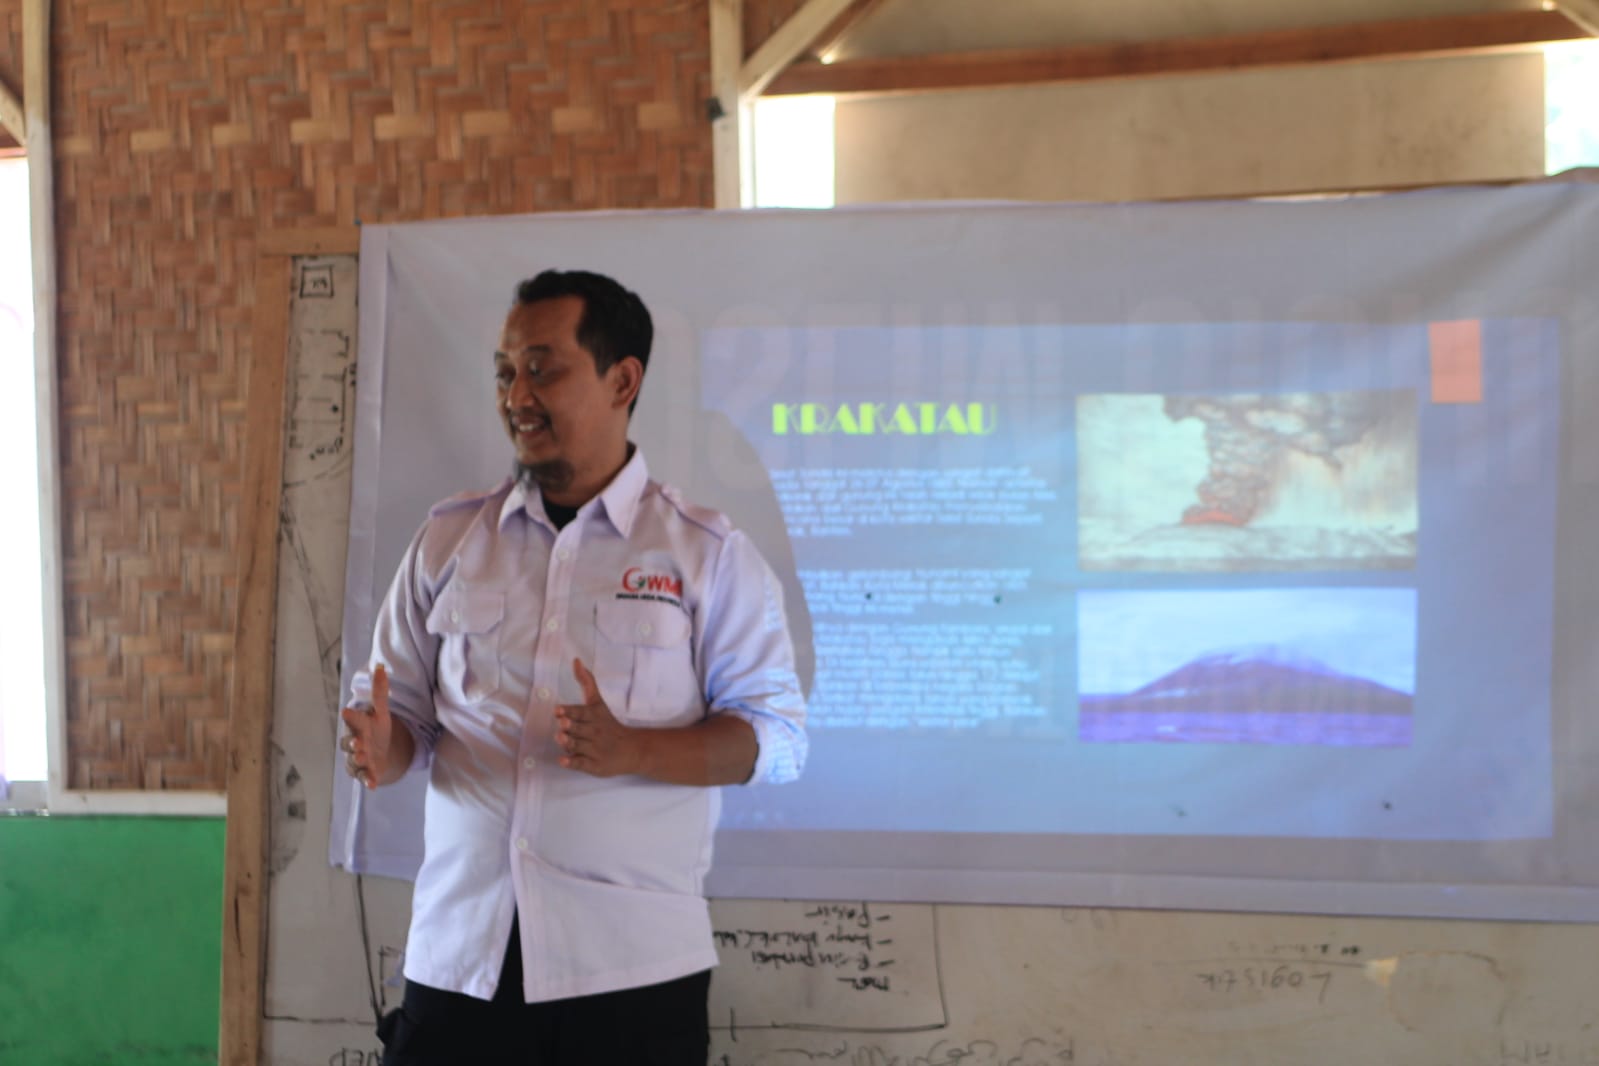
x=421, y=742
x=780, y=748
x=421, y=750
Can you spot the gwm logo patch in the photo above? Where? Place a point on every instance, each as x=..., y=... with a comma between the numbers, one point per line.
x=641, y=584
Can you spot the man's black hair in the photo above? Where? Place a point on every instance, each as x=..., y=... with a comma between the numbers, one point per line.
x=615, y=322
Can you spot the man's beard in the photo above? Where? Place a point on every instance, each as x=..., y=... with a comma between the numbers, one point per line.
x=552, y=475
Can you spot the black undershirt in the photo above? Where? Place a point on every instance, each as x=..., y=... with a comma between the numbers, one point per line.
x=558, y=514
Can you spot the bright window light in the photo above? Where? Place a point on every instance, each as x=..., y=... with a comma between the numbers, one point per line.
x=1571, y=105
x=794, y=151
x=23, y=751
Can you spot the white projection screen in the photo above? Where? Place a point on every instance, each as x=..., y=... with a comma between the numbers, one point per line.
x=1218, y=555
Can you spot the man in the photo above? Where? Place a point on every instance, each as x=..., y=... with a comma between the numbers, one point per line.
x=577, y=657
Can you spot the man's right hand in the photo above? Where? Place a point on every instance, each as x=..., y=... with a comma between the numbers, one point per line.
x=375, y=753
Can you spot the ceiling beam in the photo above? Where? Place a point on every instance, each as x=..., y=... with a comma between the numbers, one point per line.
x=1584, y=13
x=1474, y=34
x=11, y=115
x=787, y=43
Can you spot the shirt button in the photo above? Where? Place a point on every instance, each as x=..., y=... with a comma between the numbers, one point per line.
x=455, y=616
x=644, y=628
x=544, y=695
x=552, y=625
x=521, y=843
x=529, y=762
x=564, y=554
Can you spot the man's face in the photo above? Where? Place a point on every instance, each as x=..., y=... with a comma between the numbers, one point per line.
x=564, y=418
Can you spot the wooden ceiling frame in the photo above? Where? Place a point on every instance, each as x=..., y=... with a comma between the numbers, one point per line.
x=1584, y=13
x=736, y=82
x=1453, y=35
x=792, y=39
x=825, y=47
x=776, y=68
x=13, y=120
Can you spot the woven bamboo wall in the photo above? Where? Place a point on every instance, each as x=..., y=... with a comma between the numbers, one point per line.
x=184, y=129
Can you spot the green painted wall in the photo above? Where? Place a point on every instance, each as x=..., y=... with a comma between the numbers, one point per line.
x=110, y=941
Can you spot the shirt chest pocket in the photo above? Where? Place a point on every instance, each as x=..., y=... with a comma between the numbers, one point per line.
x=466, y=619
x=644, y=662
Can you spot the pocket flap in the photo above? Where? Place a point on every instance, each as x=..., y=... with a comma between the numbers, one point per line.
x=653, y=625
x=466, y=610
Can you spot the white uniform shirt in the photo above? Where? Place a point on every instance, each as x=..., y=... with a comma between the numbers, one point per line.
x=678, y=617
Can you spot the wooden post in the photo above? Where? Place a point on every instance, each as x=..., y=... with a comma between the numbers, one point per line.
x=41, y=213
x=255, y=642
x=730, y=147
x=250, y=711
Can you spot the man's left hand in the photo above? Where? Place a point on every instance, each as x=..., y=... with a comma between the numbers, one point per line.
x=593, y=740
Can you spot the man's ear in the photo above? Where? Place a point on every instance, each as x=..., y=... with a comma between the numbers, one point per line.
x=627, y=377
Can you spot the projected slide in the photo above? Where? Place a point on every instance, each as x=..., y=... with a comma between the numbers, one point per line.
x=1036, y=566
x=1241, y=482
x=1211, y=555
x=1274, y=666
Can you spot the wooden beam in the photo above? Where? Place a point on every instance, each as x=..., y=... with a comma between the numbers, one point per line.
x=244, y=867
x=1584, y=13
x=828, y=41
x=790, y=41
x=12, y=118
x=336, y=240
x=730, y=141
x=1474, y=34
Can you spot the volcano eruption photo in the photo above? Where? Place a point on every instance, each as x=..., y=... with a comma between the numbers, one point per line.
x=1248, y=481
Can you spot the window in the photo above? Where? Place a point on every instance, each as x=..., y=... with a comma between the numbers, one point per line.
x=1571, y=105
x=793, y=151
x=23, y=748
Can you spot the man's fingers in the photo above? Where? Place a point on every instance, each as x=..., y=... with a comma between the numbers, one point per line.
x=355, y=765
x=357, y=720
x=591, y=691
x=380, y=692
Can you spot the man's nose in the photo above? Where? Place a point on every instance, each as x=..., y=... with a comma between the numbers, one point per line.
x=520, y=394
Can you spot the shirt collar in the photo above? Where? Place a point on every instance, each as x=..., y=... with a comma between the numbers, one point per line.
x=619, y=499
x=521, y=499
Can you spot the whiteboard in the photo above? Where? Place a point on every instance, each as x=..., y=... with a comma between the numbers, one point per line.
x=871, y=984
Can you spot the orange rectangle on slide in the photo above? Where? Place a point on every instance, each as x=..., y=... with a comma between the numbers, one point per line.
x=1456, y=361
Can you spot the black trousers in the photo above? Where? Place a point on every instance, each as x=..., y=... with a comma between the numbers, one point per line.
x=657, y=1025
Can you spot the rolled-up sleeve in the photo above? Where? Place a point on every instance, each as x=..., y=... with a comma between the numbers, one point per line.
x=748, y=659
x=402, y=643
